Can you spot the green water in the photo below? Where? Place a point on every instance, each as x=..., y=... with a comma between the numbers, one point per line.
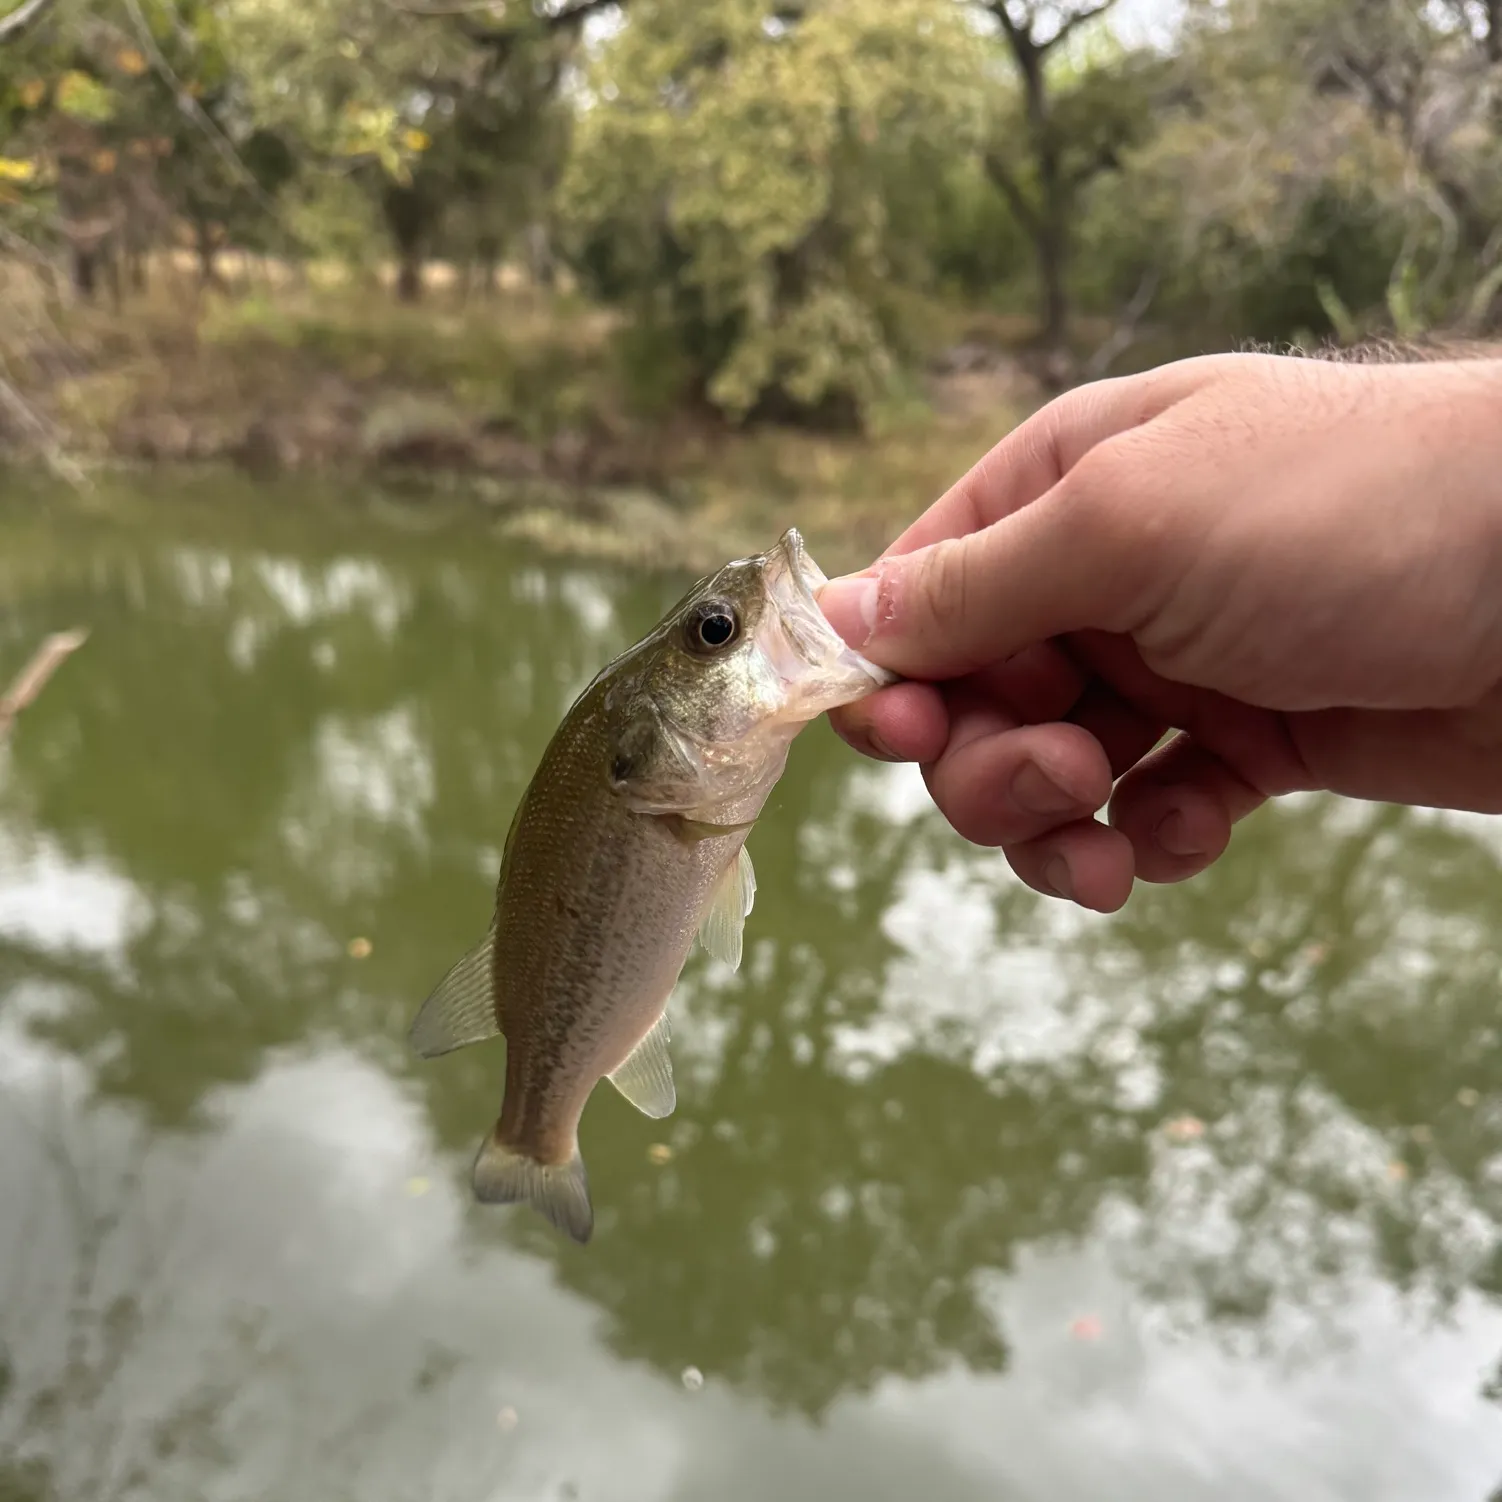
x=967, y=1195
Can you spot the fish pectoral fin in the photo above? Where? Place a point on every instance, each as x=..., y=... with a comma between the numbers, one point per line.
x=691, y=831
x=461, y=1009
x=724, y=919
x=503, y=1176
x=646, y=1076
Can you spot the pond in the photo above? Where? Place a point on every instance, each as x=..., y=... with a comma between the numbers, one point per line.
x=967, y=1195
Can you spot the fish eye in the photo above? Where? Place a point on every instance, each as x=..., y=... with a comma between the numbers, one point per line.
x=711, y=625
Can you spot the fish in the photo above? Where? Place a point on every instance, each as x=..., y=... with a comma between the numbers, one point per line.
x=628, y=844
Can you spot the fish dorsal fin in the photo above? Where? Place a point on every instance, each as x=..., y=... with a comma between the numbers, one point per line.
x=461, y=1009
x=646, y=1078
x=725, y=917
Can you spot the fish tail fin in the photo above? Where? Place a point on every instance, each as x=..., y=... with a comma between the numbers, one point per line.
x=503, y=1176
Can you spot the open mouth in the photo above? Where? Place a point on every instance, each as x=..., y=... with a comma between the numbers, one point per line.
x=807, y=629
x=809, y=576
x=806, y=575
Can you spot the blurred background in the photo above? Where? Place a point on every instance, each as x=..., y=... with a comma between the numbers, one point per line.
x=371, y=371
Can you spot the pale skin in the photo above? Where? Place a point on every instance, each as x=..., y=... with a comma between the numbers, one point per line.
x=1293, y=565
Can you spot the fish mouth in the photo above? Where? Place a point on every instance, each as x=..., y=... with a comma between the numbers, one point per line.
x=794, y=584
x=807, y=574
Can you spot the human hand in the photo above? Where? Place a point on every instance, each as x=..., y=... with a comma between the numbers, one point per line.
x=1295, y=564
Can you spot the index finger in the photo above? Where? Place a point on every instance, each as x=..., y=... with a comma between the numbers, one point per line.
x=1041, y=450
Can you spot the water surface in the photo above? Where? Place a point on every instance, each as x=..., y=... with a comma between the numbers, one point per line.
x=967, y=1195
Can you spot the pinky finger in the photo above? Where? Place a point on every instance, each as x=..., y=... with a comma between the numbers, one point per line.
x=1087, y=862
x=1177, y=808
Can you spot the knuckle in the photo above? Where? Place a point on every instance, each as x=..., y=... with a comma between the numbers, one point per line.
x=1095, y=492
x=941, y=588
x=1122, y=510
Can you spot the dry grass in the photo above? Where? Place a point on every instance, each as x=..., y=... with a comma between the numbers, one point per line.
x=850, y=496
x=515, y=385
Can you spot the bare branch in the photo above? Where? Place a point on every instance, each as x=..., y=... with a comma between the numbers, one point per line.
x=574, y=15
x=20, y=18
x=569, y=17
x=1001, y=175
x=1016, y=35
x=196, y=113
x=1122, y=336
x=439, y=8
x=1491, y=252
x=1072, y=23
x=43, y=433
x=32, y=679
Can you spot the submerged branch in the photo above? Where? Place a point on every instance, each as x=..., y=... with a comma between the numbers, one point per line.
x=32, y=679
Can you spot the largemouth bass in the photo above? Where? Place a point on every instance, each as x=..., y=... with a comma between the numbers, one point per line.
x=629, y=842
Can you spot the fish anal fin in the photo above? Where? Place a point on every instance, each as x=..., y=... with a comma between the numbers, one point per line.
x=559, y=1192
x=461, y=1009
x=730, y=902
x=646, y=1076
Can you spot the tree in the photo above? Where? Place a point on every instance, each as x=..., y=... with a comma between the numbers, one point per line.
x=133, y=117
x=430, y=108
x=497, y=139
x=1378, y=109
x=730, y=185
x=1070, y=123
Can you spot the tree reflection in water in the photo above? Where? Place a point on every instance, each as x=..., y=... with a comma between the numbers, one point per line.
x=1259, y=1093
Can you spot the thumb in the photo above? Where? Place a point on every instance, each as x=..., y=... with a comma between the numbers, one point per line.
x=956, y=605
x=1034, y=541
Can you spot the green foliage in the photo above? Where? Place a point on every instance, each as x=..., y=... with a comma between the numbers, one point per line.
x=532, y=380
x=735, y=175
x=783, y=204
x=79, y=97
x=651, y=366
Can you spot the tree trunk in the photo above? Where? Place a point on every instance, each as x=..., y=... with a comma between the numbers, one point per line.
x=85, y=271
x=409, y=222
x=1052, y=251
x=1050, y=220
x=488, y=251
x=409, y=276
x=540, y=262
x=208, y=267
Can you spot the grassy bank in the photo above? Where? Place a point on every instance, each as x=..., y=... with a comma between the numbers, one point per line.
x=528, y=403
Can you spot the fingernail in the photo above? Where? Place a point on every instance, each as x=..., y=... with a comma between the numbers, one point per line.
x=1172, y=835
x=1056, y=875
x=849, y=605
x=1038, y=794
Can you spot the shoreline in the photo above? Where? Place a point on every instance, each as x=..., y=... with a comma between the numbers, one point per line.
x=623, y=526
x=515, y=412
